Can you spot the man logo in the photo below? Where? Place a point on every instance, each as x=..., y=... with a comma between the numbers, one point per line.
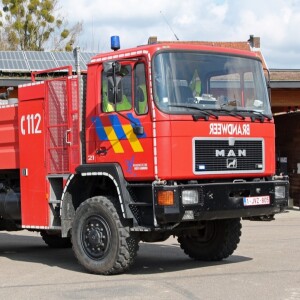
x=231, y=163
x=231, y=153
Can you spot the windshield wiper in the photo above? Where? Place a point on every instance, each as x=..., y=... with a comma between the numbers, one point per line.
x=259, y=115
x=231, y=112
x=204, y=113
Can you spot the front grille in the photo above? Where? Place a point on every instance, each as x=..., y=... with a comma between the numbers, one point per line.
x=228, y=155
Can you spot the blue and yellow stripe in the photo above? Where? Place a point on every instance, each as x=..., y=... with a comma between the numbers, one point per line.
x=118, y=131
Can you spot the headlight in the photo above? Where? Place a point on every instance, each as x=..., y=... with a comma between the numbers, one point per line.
x=279, y=192
x=189, y=196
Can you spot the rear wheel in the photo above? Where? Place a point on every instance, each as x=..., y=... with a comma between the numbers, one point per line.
x=101, y=240
x=215, y=241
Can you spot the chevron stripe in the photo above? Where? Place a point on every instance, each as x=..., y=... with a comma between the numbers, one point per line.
x=114, y=141
x=133, y=140
x=118, y=132
x=116, y=124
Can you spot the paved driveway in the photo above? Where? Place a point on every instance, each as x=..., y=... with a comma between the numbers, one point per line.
x=266, y=265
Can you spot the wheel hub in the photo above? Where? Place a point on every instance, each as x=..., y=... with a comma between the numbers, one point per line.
x=96, y=237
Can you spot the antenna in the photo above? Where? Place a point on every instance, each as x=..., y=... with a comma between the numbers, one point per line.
x=169, y=25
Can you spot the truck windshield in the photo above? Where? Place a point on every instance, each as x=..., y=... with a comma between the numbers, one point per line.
x=188, y=81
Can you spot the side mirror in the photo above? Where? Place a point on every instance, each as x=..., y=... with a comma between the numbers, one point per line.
x=138, y=130
x=111, y=67
x=114, y=68
x=114, y=73
x=115, y=90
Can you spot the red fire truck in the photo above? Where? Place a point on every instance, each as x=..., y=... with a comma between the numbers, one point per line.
x=159, y=140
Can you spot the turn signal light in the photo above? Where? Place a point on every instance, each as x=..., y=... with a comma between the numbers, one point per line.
x=165, y=197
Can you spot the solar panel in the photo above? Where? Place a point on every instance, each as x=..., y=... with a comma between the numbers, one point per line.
x=12, y=61
x=11, y=55
x=64, y=59
x=41, y=65
x=13, y=65
x=86, y=57
x=38, y=60
x=27, y=61
x=63, y=56
x=38, y=55
x=83, y=66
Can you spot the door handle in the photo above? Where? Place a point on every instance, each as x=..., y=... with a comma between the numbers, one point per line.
x=101, y=151
x=68, y=142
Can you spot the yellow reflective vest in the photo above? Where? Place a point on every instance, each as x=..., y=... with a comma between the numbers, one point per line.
x=142, y=99
x=125, y=104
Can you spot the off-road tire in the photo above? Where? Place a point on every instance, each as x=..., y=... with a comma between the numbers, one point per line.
x=101, y=239
x=216, y=241
x=56, y=241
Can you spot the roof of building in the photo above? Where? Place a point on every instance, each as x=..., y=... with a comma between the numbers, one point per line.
x=285, y=78
x=285, y=74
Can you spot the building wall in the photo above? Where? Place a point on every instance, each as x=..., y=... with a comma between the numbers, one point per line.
x=284, y=100
x=288, y=145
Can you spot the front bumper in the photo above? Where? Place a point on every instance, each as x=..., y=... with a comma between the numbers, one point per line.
x=220, y=201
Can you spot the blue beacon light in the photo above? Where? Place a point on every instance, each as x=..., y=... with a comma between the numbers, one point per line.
x=115, y=42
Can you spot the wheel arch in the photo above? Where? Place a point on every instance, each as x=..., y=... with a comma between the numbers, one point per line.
x=90, y=181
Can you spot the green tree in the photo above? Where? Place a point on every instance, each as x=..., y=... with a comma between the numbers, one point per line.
x=35, y=25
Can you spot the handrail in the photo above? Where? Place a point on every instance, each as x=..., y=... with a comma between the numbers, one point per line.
x=69, y=68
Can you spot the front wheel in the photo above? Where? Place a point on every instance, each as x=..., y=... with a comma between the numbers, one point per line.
x=215, y=241
x=101, y=241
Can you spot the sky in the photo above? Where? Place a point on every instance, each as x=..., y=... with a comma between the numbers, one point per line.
x=276, y=22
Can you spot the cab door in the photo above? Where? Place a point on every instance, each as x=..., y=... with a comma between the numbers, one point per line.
x=123, y=124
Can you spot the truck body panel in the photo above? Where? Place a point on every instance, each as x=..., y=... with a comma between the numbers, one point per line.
x=9, y=143
x=32, y=163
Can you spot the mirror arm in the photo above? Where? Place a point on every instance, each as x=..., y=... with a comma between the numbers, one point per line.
x=137, y=129
x=115, y=85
